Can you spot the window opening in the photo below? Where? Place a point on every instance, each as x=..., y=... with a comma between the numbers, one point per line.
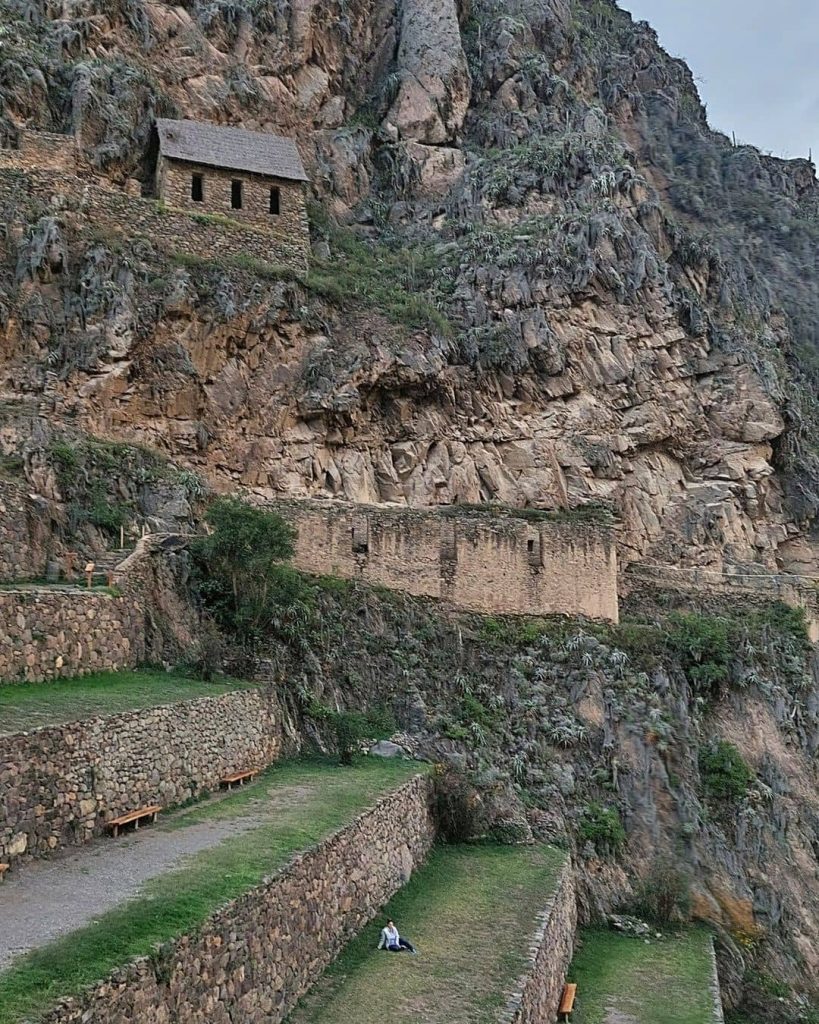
x=197, y=188
x=236, y=195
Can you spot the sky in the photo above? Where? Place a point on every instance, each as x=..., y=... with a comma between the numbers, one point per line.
x=756, y=63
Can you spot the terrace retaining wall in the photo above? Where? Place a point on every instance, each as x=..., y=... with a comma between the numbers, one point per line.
x=550, y=953
x=60, y=785
x=53, y=632
x=260, y=953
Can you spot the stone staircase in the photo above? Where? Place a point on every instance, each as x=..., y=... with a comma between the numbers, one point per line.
x=106, y=562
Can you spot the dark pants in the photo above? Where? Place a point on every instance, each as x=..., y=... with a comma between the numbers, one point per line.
x=402, y=945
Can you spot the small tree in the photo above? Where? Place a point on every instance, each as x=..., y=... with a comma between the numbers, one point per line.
x=238, y=563
x=664, y=896
x=458, y=808
x=351, y=728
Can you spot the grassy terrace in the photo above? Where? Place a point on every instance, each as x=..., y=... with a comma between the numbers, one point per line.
x=622, y=980
x=26, y=706
x=470, y=911
x=307, y=801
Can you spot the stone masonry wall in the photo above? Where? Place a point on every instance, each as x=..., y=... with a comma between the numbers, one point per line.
x=254, y=958
x=119, y=213
x=52, y=632
x=174, y=186
x=43, y=150
x=60, y=785
x=551, y=949
x=495, y=564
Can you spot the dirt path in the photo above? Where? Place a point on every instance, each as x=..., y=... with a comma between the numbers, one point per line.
x=54, y=897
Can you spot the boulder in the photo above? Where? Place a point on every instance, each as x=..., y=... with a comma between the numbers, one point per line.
x=387, y=749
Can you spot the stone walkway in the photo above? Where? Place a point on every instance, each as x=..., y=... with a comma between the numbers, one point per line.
x=50, y=898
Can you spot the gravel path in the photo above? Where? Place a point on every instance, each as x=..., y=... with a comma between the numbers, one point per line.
x=51, y=898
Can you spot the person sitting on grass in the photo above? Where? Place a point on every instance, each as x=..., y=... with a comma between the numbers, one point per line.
x=392, y=942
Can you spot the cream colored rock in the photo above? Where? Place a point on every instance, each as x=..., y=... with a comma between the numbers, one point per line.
x=433, y=95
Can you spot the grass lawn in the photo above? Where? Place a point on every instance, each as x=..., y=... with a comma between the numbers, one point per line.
x=470, y=911
x=622, y=980
x=27, y=706
x=312, y=799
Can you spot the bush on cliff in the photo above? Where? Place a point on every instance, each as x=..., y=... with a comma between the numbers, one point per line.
x=724, y=773
x=704, y=646
x=352, y=728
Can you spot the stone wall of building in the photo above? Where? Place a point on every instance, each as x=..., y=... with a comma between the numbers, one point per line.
x=174, y=188
x=550, y=953
x=490, y=563
x=30, y=170
x=52, y=631
x=23, y=535
x=60, y=785
x=254, y=958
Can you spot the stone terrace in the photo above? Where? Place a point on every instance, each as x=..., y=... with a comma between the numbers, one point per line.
x=246, y=926
x=494, y=927
x=668, y=981
x=61, y=784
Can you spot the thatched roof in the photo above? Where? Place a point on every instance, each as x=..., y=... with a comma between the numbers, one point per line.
x=234, y=149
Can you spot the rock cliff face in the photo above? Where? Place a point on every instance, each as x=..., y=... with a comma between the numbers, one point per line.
x=543, y=280
x=616, y=293
x=538, y=278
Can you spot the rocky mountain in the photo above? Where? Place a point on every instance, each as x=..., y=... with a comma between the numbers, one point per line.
x=539, y=278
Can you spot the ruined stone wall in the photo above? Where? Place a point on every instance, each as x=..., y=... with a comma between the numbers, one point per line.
x=795, y=591
x=493, y=564
x=42, y=151
x=174, y=187
x=52, y=632
x=535, y=568
x=254, y=958
x=539, y=989
x=118, y=213
x=23, y=535
x=60, y=785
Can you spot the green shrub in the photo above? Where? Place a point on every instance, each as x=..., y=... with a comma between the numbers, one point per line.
x=723, y=772
x=664, y=895
x=351, y=728
x=704, y=645
x=457, y=805
x=601, y=826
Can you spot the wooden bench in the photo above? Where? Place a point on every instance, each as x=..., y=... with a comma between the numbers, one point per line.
x=229, y=781
x=115, y=824
x=3, y=869
x=567, y=1001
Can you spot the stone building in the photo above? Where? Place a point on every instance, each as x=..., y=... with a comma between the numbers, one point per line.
x=488, y=561
x=251, y=177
